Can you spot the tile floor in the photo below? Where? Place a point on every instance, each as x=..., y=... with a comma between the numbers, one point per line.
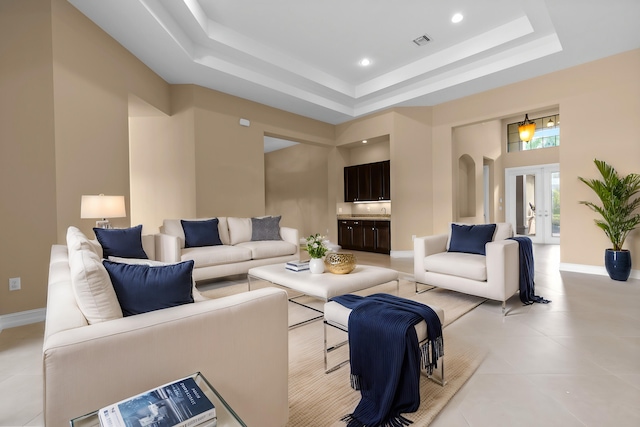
x=574, y=362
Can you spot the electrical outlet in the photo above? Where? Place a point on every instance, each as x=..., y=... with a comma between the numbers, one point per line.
x=14, y=284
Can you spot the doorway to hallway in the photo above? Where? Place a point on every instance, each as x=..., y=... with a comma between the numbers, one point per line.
x=532, y=202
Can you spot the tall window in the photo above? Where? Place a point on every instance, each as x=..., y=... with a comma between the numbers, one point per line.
x=547, y=134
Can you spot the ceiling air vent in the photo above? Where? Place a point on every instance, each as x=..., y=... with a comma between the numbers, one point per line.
x=422, y=40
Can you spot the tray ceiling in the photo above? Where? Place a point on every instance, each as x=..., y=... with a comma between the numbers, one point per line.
x=304, y=56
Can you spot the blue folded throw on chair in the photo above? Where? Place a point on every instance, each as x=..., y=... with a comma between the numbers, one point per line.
x=386, y=357
x=527, y=272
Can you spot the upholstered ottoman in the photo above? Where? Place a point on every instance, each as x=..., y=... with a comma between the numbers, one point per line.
x=337, y=316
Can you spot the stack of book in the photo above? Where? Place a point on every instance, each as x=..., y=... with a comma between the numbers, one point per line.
x=297, y=265
x=180, y=404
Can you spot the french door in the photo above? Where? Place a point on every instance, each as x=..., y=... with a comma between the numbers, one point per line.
x=532, y=201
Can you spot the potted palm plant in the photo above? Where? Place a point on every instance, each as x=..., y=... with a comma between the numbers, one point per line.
x=619, y=216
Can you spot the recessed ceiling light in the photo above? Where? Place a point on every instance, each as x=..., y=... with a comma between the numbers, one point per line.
x=364, y=141
x=365, y=62
x=457, y=18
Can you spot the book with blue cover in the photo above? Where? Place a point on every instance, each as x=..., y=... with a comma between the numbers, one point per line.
x=297, y=265
x=178, y=404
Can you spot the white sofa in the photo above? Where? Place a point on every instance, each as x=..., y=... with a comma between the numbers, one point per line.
x=494, y=275
x=239, y=343
x=237, y=254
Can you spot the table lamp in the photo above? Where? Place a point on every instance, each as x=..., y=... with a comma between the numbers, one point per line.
x=104, y=207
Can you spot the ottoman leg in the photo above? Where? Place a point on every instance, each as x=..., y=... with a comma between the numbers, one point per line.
x=328, y=349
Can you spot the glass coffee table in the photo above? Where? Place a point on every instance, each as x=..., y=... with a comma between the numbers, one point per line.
x=226, y=416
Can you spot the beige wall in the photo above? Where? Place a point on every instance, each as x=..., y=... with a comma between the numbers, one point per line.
x=412, y=179
x=599, y=107
x=162, y=167
x=482, y=143
x=597, y=102
x=410, y=153
x=93, y=77
x=27, y=162
x=55, y=59
x=370, y=152
x=296, y=187
x=64, y=97
x=230, y=157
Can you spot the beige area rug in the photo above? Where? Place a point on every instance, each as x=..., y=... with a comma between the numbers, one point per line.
x=318, y=399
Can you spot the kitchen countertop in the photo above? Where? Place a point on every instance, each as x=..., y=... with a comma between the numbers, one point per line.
x=365, y=217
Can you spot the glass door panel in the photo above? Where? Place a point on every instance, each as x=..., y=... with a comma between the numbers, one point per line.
x=533, y=202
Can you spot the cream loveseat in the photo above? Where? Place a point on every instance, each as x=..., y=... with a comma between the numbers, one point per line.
x=494, y=275
x=241, y=248
x=238, y=342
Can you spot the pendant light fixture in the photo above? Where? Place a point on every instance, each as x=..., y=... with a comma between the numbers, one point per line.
x=526, y=129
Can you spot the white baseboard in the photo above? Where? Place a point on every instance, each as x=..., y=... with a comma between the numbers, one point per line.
x=22, y=318
x=401, y=254
x=592, y=269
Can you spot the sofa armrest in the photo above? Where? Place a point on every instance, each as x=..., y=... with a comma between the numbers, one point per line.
x=423, y=247
x=503, y=266
x=149, y=245
x=167, y=248
x=429, y=245
x=291, y=235
x=230, y=340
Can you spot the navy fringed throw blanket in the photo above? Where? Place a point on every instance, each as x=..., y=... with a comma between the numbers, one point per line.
x=527, y=272
x=386, y=357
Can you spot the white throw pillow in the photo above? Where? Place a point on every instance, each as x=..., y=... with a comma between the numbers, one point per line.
x=239, y=230
x=76, y=240
x=92, y=287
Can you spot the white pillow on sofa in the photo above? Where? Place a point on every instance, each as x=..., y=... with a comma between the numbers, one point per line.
x=239, y=230
x=76, y=240
x=92, y=287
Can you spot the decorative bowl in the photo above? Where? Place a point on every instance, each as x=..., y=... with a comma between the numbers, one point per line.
x=340, y=263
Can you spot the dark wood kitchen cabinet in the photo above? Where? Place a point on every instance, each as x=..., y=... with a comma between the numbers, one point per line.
x=383, y=237
x=367, y=236
x=351, y=184
x=380, y=182
x=350, y=234
x=367, y=183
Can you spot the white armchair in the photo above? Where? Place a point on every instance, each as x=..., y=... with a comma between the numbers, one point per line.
x=494, y=275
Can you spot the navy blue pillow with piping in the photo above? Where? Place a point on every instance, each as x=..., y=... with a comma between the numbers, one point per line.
x=121, y=242
x=471, y=239
x=142, y=288
x=200, y=233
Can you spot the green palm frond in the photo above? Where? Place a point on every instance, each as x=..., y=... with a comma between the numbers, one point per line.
x=619, y=204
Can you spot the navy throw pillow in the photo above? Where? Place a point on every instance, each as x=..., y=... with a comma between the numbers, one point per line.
x=267, y=228
x=141, y=288
x=201, y=233
x=471, y=238
x=121, y=242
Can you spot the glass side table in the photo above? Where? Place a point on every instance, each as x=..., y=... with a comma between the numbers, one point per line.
x=226, y=416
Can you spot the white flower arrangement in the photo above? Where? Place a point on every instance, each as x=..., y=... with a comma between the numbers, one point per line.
x=315, y=246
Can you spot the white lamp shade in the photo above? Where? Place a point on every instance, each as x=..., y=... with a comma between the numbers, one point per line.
x=102, y=207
